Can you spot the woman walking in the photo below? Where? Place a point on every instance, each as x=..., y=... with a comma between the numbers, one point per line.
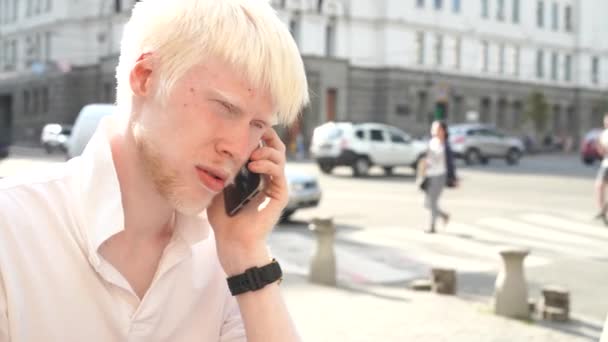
x=436, y=173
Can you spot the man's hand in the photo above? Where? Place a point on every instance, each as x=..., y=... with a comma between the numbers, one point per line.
x=241, y=239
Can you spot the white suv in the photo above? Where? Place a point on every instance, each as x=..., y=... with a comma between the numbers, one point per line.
x=363, y=145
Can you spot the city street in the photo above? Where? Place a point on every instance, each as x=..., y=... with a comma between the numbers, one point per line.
x=545, y=204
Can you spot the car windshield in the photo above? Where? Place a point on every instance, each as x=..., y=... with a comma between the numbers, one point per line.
x=328, y=133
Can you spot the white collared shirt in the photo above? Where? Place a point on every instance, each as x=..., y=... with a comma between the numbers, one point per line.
x=55, y=286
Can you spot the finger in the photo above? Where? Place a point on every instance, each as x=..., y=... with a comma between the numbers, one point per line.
x=268, y=153
x=268, y=168
x=272, y=139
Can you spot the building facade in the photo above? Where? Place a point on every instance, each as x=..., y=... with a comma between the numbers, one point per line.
x=389, y=61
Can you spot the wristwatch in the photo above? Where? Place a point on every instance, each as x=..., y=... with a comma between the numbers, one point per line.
x=255, y=278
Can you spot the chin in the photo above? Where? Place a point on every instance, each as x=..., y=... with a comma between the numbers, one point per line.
x=191, y=205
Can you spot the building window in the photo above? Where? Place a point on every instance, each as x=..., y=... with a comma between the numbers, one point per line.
x=330, y=39
x=49, y=5
x=501, y=59
x=568, y=18
x=421, y=112
x=485, y=56
x=516, y=11
x=456, y=6
x=35, y=101
x=500, y=10
x=28, y=8
x=48, y=46
x=14, y=54
x=420, y=47
x=117, y=6
x=37, y=6
x=555, y=16
x=438, y=4
x=26, y=102
x=320, y=6
x=516, y=61
x=554, y=64
x=420, y=3
x=540, y=64
x=438, y=49
x=540, y=13
x=568, y=68
x=15, y=9
x=45, y=100
x=485, y=9
x=595, y=70
x=457, y=53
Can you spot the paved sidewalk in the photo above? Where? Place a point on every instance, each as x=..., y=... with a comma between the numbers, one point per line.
x=375, y=313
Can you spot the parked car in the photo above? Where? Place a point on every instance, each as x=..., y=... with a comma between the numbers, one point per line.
x=589, y=146
x=304, y=190
x=55, y=136
x=363, y=145
x=477, y=143
x=85, y=125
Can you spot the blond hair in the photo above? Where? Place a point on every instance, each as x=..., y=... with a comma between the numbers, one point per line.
x=246, y=33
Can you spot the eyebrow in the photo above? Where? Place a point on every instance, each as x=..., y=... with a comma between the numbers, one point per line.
x=233, y=104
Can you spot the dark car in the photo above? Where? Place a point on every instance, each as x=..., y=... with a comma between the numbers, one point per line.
x=589, y=146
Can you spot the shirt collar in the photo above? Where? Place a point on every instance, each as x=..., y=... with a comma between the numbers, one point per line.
x=99, y=196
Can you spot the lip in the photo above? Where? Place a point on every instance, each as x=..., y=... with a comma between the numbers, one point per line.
x=213, y=179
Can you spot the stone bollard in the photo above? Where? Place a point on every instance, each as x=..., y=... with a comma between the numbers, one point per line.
x=443, y=280
x=323, y=266
x=421, y=285
x=556, y=303
x=511, y=290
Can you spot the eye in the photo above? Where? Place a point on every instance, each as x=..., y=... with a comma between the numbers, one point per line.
x=258, y=125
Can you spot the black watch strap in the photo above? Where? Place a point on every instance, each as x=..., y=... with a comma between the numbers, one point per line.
x=255, y=278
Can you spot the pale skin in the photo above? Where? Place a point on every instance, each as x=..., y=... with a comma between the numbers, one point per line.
x=212, y=121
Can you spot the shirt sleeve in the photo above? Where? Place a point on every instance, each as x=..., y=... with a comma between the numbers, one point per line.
x=233, y=329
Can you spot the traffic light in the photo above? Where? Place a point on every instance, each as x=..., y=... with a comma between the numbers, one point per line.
x=441, y=110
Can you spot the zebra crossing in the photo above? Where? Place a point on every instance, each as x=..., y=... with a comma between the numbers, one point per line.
x=396, y=254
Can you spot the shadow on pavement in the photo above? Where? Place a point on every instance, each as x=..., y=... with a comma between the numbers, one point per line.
x=574, y=327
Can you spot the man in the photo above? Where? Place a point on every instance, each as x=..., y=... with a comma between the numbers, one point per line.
x=602, y=175
x=130, y=241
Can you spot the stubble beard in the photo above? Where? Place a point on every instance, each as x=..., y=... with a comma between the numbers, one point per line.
x=166, y=180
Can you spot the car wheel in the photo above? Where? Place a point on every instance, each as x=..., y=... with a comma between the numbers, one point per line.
x=588, y=161
x=473, y=156
x=48, y=148
x=361, y=167
x=326, y=167
x=388, y=170
x=513, y=156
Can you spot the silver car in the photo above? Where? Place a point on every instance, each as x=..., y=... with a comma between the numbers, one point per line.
x=304, y=192
x=477, y=143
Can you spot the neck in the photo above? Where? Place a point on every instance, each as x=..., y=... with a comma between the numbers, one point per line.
x=148, y=215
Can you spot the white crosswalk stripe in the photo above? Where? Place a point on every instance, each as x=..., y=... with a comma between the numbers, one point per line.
x=390, y=254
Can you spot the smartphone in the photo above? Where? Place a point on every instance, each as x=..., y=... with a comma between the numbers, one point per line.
x=246, y=186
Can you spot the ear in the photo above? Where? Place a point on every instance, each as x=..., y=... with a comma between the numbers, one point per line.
x=140, y=78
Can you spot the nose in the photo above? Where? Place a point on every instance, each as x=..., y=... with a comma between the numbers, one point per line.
x=235, y=144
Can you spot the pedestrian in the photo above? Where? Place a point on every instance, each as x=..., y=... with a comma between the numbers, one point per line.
x=602, y=175
x=131, y=240
x=436, y=173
